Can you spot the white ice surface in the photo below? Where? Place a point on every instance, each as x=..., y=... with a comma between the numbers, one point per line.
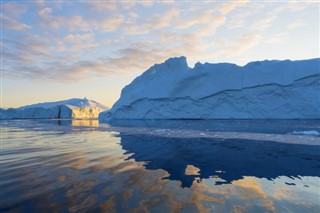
x=71, y=108
x=259, y=90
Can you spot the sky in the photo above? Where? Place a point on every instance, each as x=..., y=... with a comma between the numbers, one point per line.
x=56, y=50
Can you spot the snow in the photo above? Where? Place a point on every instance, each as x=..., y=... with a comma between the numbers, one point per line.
x=259, y=90
x=71, y=108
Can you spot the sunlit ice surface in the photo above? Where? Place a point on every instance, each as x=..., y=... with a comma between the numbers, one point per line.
x=160, y=166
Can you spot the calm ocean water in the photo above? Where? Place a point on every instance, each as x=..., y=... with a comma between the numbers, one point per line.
x=160, y=166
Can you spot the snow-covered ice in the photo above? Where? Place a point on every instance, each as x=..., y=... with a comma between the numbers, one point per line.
x=259, y=90
x=71, y=108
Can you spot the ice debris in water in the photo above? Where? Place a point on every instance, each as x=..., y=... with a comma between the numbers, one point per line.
x=309, y=132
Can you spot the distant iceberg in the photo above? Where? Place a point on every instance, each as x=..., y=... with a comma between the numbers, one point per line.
x=71, y=108
x=259, y=90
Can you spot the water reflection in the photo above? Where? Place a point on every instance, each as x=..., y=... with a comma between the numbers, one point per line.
x=187, y=160
x=92, y=123
x=52, y=167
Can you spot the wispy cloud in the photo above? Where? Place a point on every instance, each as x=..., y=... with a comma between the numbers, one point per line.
x=11, y=14
x=276, y=38
x=271, y=17
x=78, y=38
x=64, y=40
x=49, y=21
x=45, y=12
x=102, y=5
x=9, y=23
x=239, y=19
x=227, y=7
x=226, y=49
x=154, y=22
x=130, y=4
x=13, y=10
x=296, y=24
x=109, y=24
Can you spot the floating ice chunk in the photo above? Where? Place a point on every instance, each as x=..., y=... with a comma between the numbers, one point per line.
x=309, y=132
x=281, y=138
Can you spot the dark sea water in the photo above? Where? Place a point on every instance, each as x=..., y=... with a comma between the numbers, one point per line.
x=160, y=166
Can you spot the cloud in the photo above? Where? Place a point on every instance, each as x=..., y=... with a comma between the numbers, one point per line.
x=45, y=12
x=146, y=3
x=13, y=10
x=11, y=14
x=238, y=46
x=130, y=4
x=78, y=38
x=235, y=23
x=132, y=17
x=278, y=38
x=169, y=2
x=25, y=49
x=210, y=29
x=238, y=20
x=227, y=7
x=131, y=57
x=169, y=37
x=102, y=5
x=164, y=20
x=110, y=24
x=77, y=47
x=267, y=22
x=200, y=19
x=298, y=6
x=39, y=2
x=76, y=42
x=263, y=24
x=208, y=21
x=295, y=24
x=136, y=58
x=111, y=39
x=245, y=42
x=50, y=21
x=154, y=22
x=11, y=24
x=210, y=17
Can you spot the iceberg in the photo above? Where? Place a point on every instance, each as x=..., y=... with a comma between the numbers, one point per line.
x=270, y=89
x=72, y=108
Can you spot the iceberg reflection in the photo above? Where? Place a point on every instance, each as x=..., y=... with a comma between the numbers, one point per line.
x=190, y=159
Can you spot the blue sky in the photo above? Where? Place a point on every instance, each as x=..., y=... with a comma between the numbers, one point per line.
x=55, y=50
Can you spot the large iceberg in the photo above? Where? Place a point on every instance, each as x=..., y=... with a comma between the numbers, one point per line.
x=259, y=90
x=71, y=108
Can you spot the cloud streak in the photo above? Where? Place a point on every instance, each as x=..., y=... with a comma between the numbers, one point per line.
x=11, y=24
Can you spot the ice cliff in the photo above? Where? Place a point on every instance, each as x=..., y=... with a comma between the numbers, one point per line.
x=72, y=108
x=259, y=90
